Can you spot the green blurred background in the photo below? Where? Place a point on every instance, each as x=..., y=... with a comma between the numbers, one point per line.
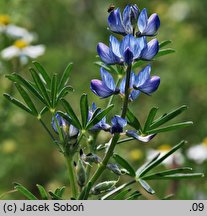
x=71, y=29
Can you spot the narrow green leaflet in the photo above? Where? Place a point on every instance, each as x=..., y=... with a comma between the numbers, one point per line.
x=21, y=81
x=84, y=109
x=106, y=67
x=71, y=113
x=40, y=85
x=167, y=172
x=164, y=52
x=134, y=195
x=117, y=190
x=42, y=191
x=64, y=92
x=138, y=64
x=167, y=117
x=161, y=159
x=171, y=127
x=43, y=111
x=122, y=162
x=144, y=166
x=150, y=118
x=27, y=99
x=17, y=103
x=99, y=116
x=146, y=186
x=53, y=90
x=65, y=76
x=164, y=43
x=122, y=194
x=179, y=176
x=132, y=120
x=54, y=196
x=59, y=191
x=24, y=191
x=43, y=72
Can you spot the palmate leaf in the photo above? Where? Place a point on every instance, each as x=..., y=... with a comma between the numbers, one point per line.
x=122, y=162
x=27, y=99
x=21, y=81
x=100, y=115
x=84, y=109
x=43, y=72
x=65, y=77
x=159, y=160
x=43, y=192
x=24, y=191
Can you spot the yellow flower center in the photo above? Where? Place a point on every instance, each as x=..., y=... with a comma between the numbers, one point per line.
x=136, y=154
x=4, y=19
x=165, y=147
x=20, y=44
x=205, y=141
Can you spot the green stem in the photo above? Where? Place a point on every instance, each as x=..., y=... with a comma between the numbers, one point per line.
x=46, y=128
x=72, y=178
x=126, y=91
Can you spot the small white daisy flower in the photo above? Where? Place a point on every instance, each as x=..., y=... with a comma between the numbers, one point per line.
x=198, y=153
x=23, y=50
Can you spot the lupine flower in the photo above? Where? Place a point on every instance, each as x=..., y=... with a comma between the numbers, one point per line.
x=128, y=50
x=13, y=31
x=133, y=93
x=123, y=24
x=118, y=124
x=148, y=26
x=23, y=50
x=198, y=153
x=105, y=87
x=144, y=82
x=68, y=129
x=135, y=135
x=102, y=125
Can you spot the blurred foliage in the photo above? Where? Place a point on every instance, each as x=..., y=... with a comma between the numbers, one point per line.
x=71, y=30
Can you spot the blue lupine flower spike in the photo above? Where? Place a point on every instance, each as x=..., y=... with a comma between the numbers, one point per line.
x=105, y=87
x=145, y=83
x=102, y=125
x=135, y=135
x=118, y=124
x=123, y=23
x=60, y=122
x=147, y=26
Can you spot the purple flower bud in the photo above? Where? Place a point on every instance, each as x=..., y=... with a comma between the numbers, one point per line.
x=118, y=124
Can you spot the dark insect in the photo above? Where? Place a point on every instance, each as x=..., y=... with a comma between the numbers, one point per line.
x=111, y=8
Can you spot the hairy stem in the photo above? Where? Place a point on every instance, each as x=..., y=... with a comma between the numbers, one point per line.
x=72, y=178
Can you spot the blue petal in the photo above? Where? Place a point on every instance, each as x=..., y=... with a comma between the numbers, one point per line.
x=142, y=77
x=153, y=25
x=107, y=79
x=60, y=121
x=105, y=54
x=73, y=131
x=142, y=20
x=127, y=20
x=134, y=134
x=115, y=46
x=118, y=124
x=151, y=50
x=134, y=94
x=151, y=85
x=115, y=22
x=99, y=88
x=128, y=56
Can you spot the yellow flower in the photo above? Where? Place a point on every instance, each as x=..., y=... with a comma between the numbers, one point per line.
x=20, y=44
x=8, y=146
x=136, y=154
x=4, y=19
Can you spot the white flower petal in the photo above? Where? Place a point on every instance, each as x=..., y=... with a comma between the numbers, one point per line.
x=16, y=31
x=34, y=51
x=10, y=52
x=198, y=153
